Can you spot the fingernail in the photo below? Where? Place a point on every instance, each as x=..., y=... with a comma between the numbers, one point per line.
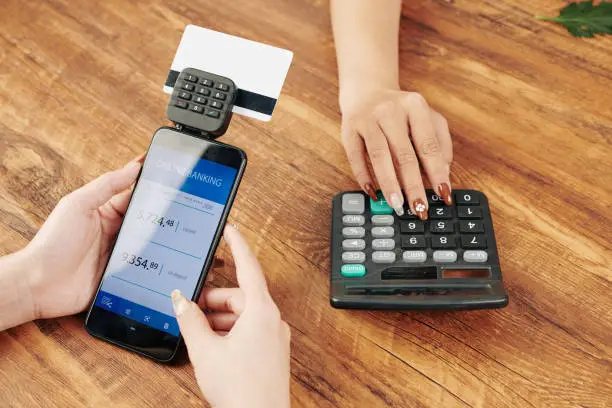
x=420, y=209
x=444, y=191
x=369, y=189
x=397, y=203
x=179, y=302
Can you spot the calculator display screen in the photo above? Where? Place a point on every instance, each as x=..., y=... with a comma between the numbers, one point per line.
x=167, y=233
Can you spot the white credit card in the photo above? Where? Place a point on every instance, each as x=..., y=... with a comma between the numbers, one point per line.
x=257, y=69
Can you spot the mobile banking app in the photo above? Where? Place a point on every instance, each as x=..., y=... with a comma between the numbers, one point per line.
x=166, y=236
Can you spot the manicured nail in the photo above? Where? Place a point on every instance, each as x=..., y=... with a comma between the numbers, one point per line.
x=397, y=203
x=444, y=191
x=179, y=302
x=369, y=189
x=420, y=209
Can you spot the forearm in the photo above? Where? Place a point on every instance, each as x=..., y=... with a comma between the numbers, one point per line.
x=366, y=36
x=16, y=305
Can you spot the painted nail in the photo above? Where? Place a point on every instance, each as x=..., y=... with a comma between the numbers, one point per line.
x=420, y=209
x=369, y=190
x=444, y=191
x=179, y=302
x=397, y=203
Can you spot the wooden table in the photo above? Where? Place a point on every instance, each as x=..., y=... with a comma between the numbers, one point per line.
x=530, y=112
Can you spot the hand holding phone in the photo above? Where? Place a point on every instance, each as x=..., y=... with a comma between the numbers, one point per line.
x=167, y=241
x=64, y=261
x=249, y=366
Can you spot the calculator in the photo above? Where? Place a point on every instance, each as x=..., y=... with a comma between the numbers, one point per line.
x=383, y=261
x=202, y=102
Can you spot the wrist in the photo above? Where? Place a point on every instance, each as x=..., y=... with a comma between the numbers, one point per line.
x=354, y=94
x=17, y=304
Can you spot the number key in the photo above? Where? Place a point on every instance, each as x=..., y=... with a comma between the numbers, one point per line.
x=466, y=198
x=441, y=227
x=440, y=212
x=433, y=198
x=474, y=241
x=219, y=95
x=188, y=87
x=412, y=227
x=471, y=226
x=184, y=95
x=200, y=99
x=197, y=109
x=443, y=241
x=206, y=82
x=470, y=213
x=413, y=241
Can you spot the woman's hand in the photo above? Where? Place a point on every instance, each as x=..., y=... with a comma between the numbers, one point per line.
x=395, y=131
x=240, y=348
x=68, y=254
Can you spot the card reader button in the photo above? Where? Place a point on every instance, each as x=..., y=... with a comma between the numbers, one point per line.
x=212, y=113
x=216, y=105
x=191, y=78
x=219, y=95
x=222, y=87
x=184, y=95
x=188, y=87
x=197, y=109
x=200, y=99
x=181, y=104
x=206, y=82
x=203, y=91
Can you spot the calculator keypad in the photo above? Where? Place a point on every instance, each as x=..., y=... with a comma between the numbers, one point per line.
x=374, y=233
x=202, y=101
x=384, y=261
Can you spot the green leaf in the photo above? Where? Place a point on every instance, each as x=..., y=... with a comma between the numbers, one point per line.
x=585, y=19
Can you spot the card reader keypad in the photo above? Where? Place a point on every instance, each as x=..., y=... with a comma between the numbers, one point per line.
x=372, y=247
x=202, y=101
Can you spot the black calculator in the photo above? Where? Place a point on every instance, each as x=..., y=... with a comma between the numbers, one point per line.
x=382, y=261
x=202, y=102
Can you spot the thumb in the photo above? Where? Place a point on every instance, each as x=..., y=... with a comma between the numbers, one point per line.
x=102, y=189
x=193, y=324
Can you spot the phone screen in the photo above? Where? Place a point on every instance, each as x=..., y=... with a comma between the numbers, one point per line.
x=166, y=236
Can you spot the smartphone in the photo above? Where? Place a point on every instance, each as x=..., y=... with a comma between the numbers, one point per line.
x=167, y=241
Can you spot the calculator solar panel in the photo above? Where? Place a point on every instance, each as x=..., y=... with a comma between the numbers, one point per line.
x=382, y=261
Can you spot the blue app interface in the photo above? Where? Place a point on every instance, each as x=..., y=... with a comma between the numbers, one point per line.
x=166, y=236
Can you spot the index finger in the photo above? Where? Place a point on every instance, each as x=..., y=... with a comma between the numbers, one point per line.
x=428, y=146
x=248, y=271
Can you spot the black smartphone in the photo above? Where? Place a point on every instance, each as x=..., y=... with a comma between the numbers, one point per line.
x=167, y=241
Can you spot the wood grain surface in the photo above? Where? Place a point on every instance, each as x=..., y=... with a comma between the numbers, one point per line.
x=530, y=110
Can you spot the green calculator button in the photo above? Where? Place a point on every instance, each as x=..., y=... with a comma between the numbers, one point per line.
x=380, y=206
x=353, y=271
